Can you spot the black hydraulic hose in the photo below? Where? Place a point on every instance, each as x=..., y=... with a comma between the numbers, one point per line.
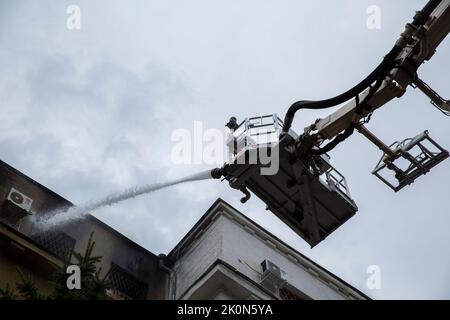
x=422, y=16
x=338, y=139
x=361, y=106
x=383, y=67
x=349, y=131
x=388, y=62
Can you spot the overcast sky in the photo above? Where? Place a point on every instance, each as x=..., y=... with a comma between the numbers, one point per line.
x=90, y=111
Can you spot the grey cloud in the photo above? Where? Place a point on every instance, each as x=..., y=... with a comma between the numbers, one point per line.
x=92, y=112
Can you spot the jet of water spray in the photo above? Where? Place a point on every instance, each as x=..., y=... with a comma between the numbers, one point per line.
x=58, y=218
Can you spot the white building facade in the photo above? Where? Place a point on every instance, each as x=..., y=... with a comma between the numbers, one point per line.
x=228, y=256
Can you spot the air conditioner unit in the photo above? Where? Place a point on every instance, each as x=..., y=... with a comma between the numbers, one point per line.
x=272, y=277
x=19, y=200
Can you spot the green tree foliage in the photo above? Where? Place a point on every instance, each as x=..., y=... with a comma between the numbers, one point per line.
x=27, y=287
x=93, y=286
x=7, y=293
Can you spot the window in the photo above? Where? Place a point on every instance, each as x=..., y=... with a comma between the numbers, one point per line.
x=56, y=242
x=125, y=283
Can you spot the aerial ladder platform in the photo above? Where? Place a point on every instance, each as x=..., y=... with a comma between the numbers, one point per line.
x=291, y=172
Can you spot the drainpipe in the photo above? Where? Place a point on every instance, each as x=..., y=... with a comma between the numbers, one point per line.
x=172, y=286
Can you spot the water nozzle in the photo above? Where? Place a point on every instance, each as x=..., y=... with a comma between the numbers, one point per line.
x=218, y=173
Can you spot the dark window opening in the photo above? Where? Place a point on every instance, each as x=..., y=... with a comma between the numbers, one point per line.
x=56, y=242
x=127, y=284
